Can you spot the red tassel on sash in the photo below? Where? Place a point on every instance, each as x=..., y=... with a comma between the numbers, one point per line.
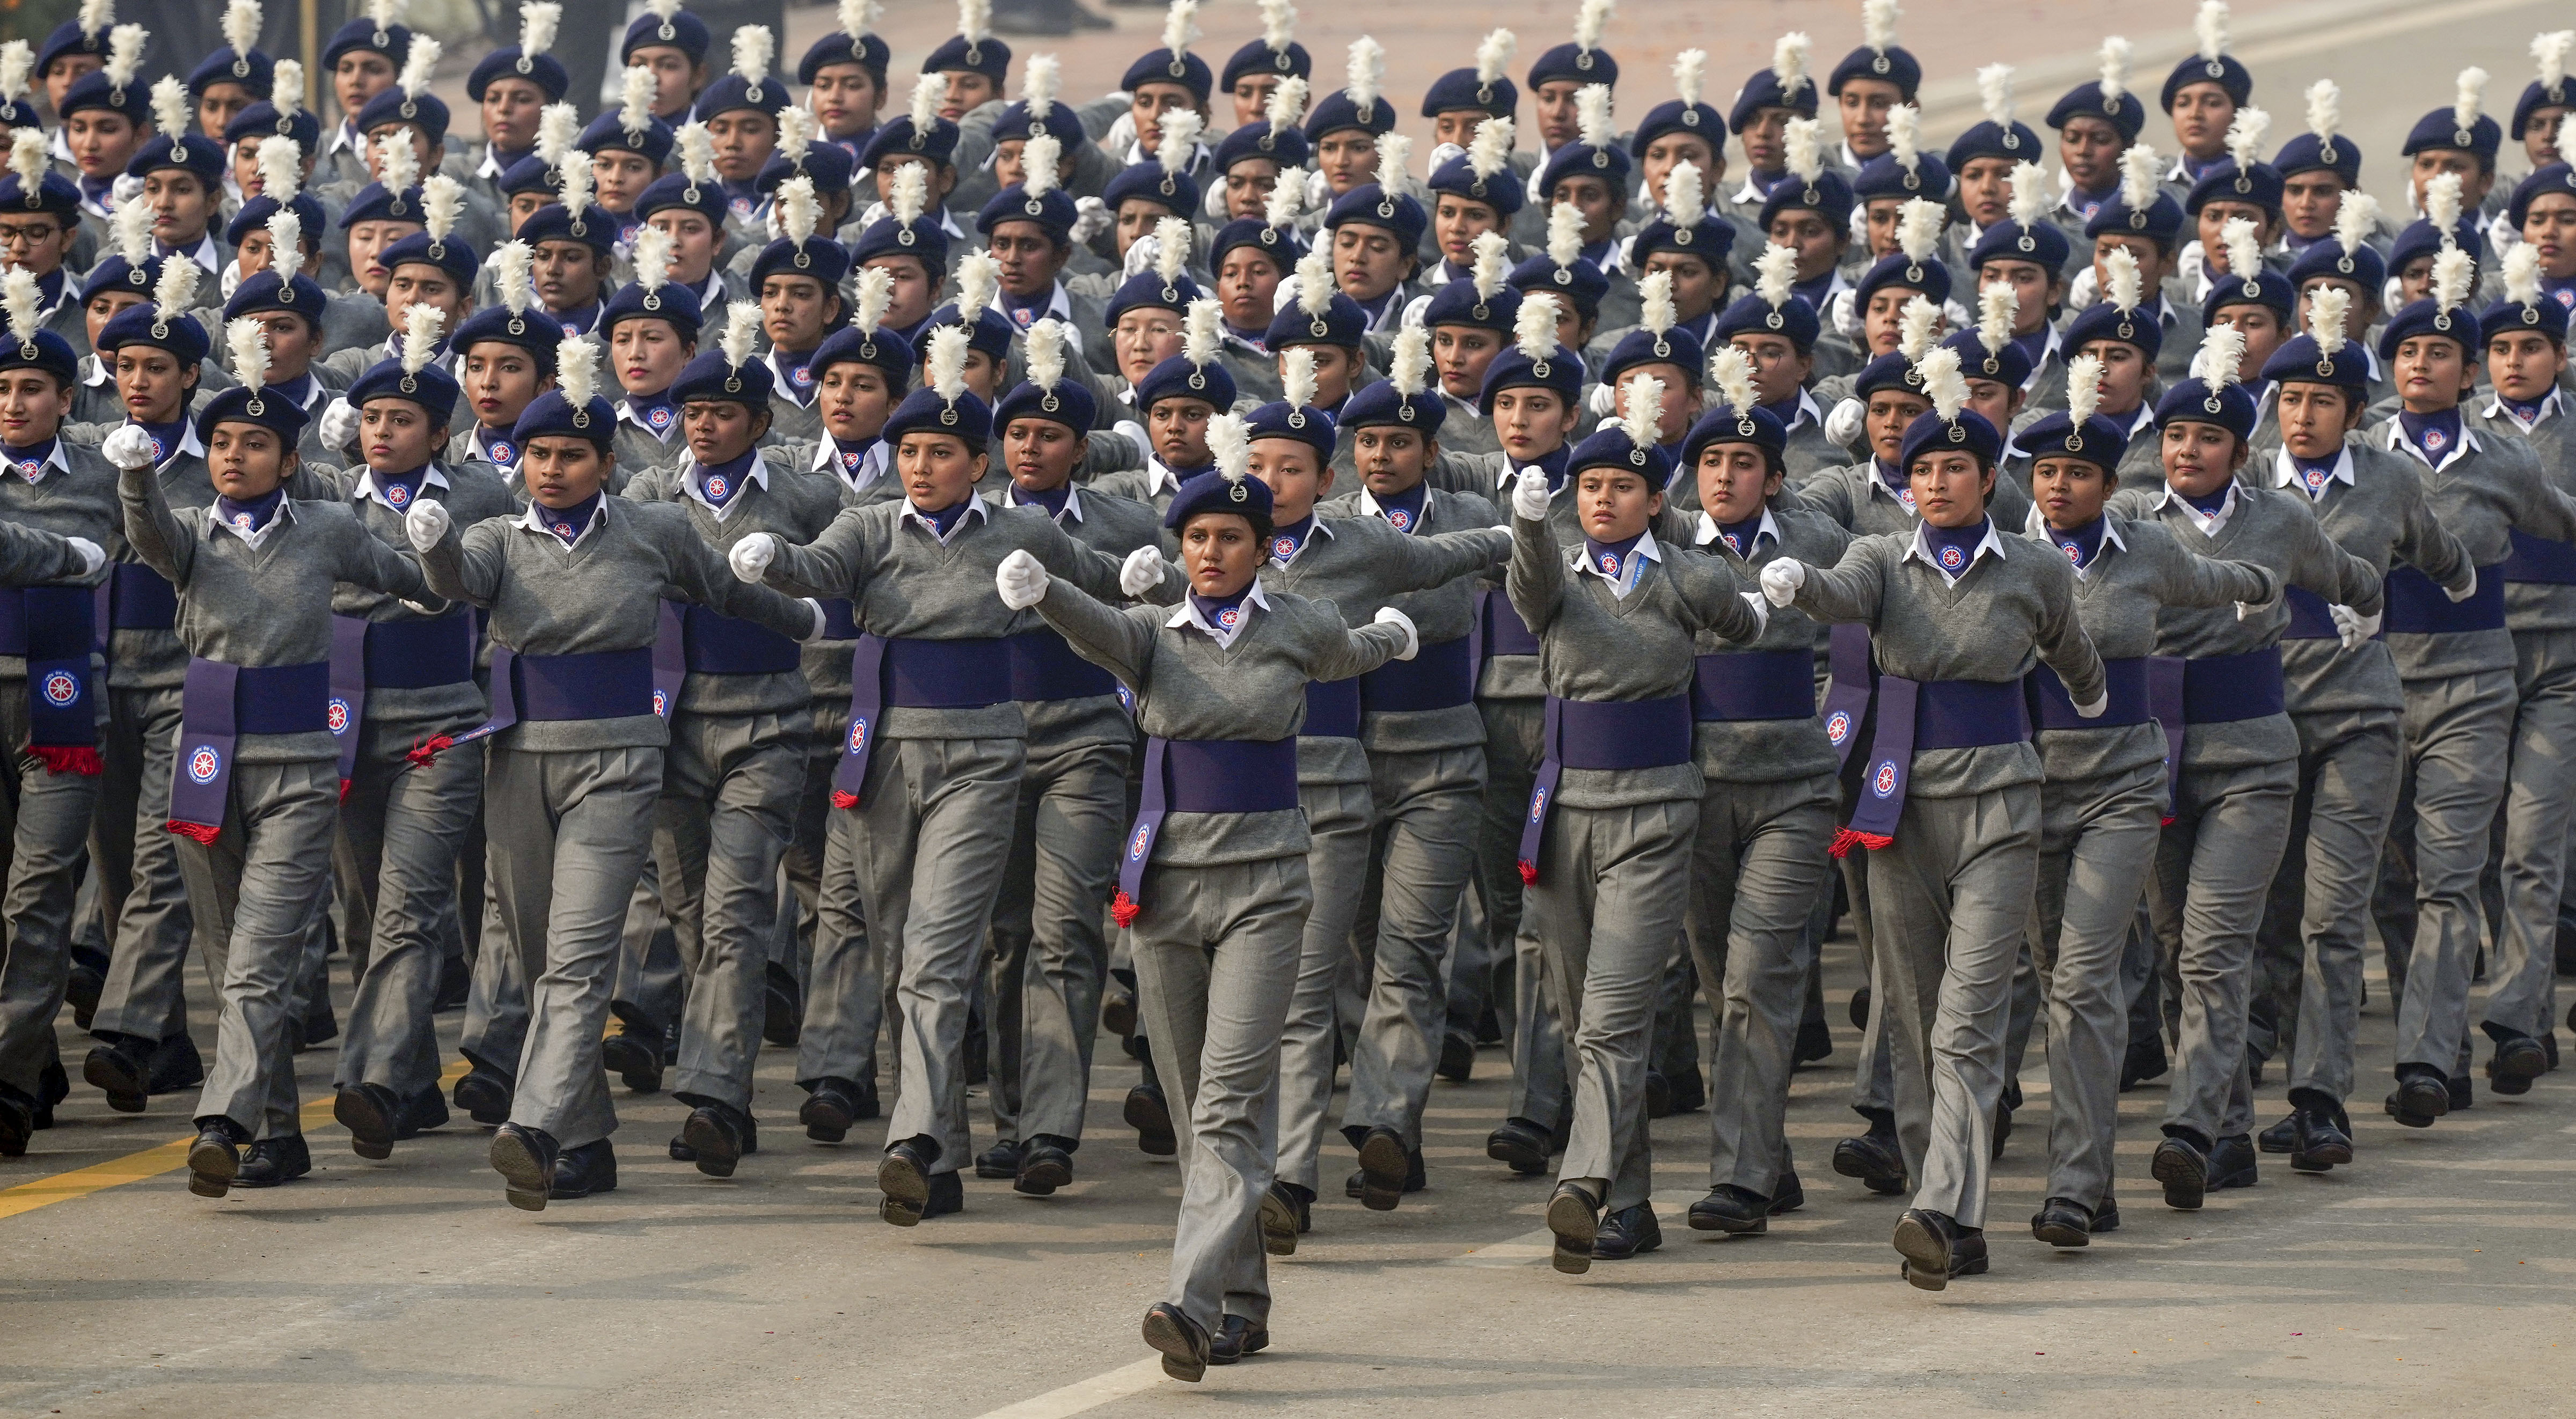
x=425, y=753
x=1529, y=874
x=844, y=800
x=204, y=835
x=1124, y=910
x=68, y=759
x=1845, y=840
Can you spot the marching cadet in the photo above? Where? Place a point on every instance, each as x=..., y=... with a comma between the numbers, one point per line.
x=2142, y=219
x=1777, y=330
x=510, y=85
x=690, y=206
x=1872, y=80
x=2317, y=168
x=506, y=359
x=673, y=44
x=1770, y=100
x=1473, y=193
x=257, y=790
x=2105, y=787
x=845, y=75
x=399, y=679
x=1766, y=814
x=360, y=61
x=1178, y=398
x=573, y=592
x=1951, y=804
x=2539, y=113
x=2201, y=96
x=2125, y=339
x=99, y=147
x=2096, y=122
x=937, y=797
x=1215, y=907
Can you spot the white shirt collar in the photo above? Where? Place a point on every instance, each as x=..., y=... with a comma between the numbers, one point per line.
x=1187, y=614
x=2045, y=351
x=188, y=443
x=94, y=371
x=205, y=253
x=1708, y=532
x=2208, y=523
x=1370, y=505
x=344, y=138
x=780, y=383
x=368, y=487
x=533, y=520
x=54, y=460
x=1809, y=412
x=827, y=459
x=1920, y=549
x=2285, y=471
x=2393, y=435
x=1631, y=567
x=625, y=415
x=2548, y=405
x=1315, y=527
x=693, y=481
x=285, y=512
x=2034, y=525
x=974, y=511
x=1159, y=479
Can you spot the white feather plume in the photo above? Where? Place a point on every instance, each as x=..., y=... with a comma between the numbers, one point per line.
x=2244, y=248
x=1278, y=25
x=797, y=127
x=2120, y=279
x=1178, y=131
x=1995, y=94
x=247, y=340
x=132, y=226
x=2550, y=51
x=1590, y=21
x=653, y=248
x=1592, y=115
x=1731, y=370
x=401, y=168
x=1918, y=228
x=697, y=151
x=558, y=128
x=1905, y=135
x=2356, y=217
x=2471, y=98
x=512, y=266
x=2083, y=388
x=1494, y=54
x=2325, y=108
x=1410, y=366
x=2210, y=28
x=1878, y=24
x=1394, y=151
x=2222, y=352
x=1229, y=439
x=1685, y=197
x=1805, y=140
x=1046, y=353
x=974, y=20
x=1297, y=375
x=2453, y=270
x=798, y=209
x=2114, y=73
x=979, y=281
x=2140, y=174
x=1998, y=307
x=17, y=61
x=1645, y=412
x=1918, y=324
x=1774, y=272
x=96, y=15
x=2328, y=308
x=2030, y=196
x=286, y=94
x=577, y=370
x=285, y=243
x=1286, y=196
x=1040, y=158
x=573, y=182
x=539, y=22
x=385, y=14
x=1202, y=331
x=1655, y=299
x=27, y=157
x=2522, y=274
x=1364, y=74
x=1180, y=26
x=442, y=201
x=2245, y=136
x=1942, y=382
x=1534, y=328
x=1690, y=74
x=1490, y=151
x=1314, y=284
x=927, y=91
x=1040, y=82
x=2442, y=203
x=177, y=288
x=876, y=294
x=1789, y=63
x=24, y=301
x=171, y=106
x=753, y=47
x=1493, y=264
x=423, y=323
x=1287, y=104
x=1171, y=248
x=741, y=325
x=420, y=66
x=636, y=89
x=124, y=55
x=1564, y=233
x=858, y=18
x=241, y=24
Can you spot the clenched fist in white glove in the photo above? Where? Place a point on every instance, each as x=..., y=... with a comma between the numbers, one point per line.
x=1389, y=616
x=1092, y=217
x=128, y=447
x=752, y=555
x=91, y=554
x=1140, y=573
x=426, y=523
x=2352, y=628
x=1529, y=495
x=338, y=428
x=821, y=621
x=1781, y=579
x=1021, y=581
x=1842, y=425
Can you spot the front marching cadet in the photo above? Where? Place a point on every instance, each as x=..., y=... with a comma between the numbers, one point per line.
x=1212, y=881
x=573, y=591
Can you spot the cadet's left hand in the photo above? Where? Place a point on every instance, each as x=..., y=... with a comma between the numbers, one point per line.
x=425, y=524
x=2352, y=629
x=91, y=555
x=1529, y=495
x=752, y=555
x=1389, y=616
x=1021, y=580
x=1140, y=573
x=820, y=620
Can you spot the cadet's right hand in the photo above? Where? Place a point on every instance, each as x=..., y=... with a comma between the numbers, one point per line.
x=92, y=555
x=2352, y=629
x=426, y=523
x=752, y=555
x=1842, y=425
x=1021, y=580
x=128, y=447
x=1141, y=572
x=1781, y=578
x=1529, y=495
x=338, y=429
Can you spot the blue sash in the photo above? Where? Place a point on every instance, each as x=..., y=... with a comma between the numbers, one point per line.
x=221, y=703
x=1759, y=684
x=912, y=673
x=1914, y=715
x=1442, y=675
x=1200, y=776
x=1601, y=734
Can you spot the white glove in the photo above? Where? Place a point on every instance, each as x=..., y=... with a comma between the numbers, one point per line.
x=338, y=429
x=426, y=523
x=1021, y=581
x=127, y=447
x=1134, y=433
x=1603, y=401
x=1389, y=616
x=1842, y=425
x=752, y=555
x=2092, y=709
x=124, y=189
x=2464, y=593
x=1092, y=217
x=92, y=557
x=1529, y=495
x=820, y=620
x=1140, y=573
x=1761, y=610
x=2352, y=628
x=1781, y=579
x=1141, y=255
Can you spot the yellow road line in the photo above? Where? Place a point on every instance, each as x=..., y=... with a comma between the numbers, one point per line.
x=135, y=1167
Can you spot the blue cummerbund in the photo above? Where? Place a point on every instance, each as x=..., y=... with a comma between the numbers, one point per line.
x=142, y=599
x=2416, y=607
x=1970, y=714
x=2220, y=689
x=606, y=684
x=2124, y=680
x=1332, y=709
x=959, y=674
x=283, y=699
x=840, y=619
x=1622, y=734
x=1044, y=667
x=1755, y=684
x=1438, y=677
x=419, y=655
x=1505, y=632
x=727, y=645
x=2309, y=618
x=63, y=608
x=1231, y=775
x=2539, y=559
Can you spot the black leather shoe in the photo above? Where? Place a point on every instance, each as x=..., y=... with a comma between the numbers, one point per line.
x=319, y=1027
x=1815, y=1042
x=2003, y=1130
x=1519, y=1145
x=1659, y=1095
x=1183, y=1341
x=1002, y=1160
x=274, y=1160
x=1151, y=1117
x=421, y=1112
x=1736, y=1211
x=1860, y=1008
x=2463, y=1093
x=1874, y=1158
x=908, y=1184
x=1788, y=1195
x=214, y=1160
x=1286, y=1210
x=1936, y=1249
x=1457, y=1063
x=783, y=1007
x=1575, y=1219
x=1384, y=1165
x=1118, y=1013
x=2184, y=1171
x=2320, y=1143
x=2144, y=1060
x=580, y=1172
x=1630, y=1231
x=2231, y=1163
x=2063, y=1222
x=82, y=990
x=484, y=1094
x=2420, y=1099
x=2106, y=1217
x=525, y=1158
x=829, y=1110
x=176, y=1065
x=1236, y=1337
x=719, y=1135
x=633, y=1052
x=372, y=1114
x=1046, y=1164
x=2282, y=1137
x=121, y=1069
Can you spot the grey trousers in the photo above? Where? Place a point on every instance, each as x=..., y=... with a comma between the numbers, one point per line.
x=1216, y=956
x=1873, y=1071
x=845, y=1005
x=1421, y=853
x=1050, y=956
x=136, y=862
x=2539, y=809
x=2097, y=842
x=1757, y=863
x=569, y=835
x=1540, y=1059
x=47, y=818
x=2214, y=866
x=1607, y=907
x=934, y=834
x=401, y=828
x=2459, y=732
x=253, y=894
x=2312, y=937
x=1950, y=905
x=1337, y=825
x=729, y=788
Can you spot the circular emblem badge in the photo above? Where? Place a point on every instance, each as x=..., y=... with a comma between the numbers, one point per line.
x=1732, y=544
x=802, y=377
x=2435, y=440
x=31, y=467
x=661, y=703
x=739, y=206
x=337, y=717
x=1401, y=520
x=1136, y=848
x=2316, y=479
x=2074, y=552
x=659, y=416
x=1538, y=805
x=1609, y=564
x=564, y=530
x=1952, y=559
x=850, y=461
x=858, y=735
x=1906, y=496
x=1281, y=549
x=717, y=488
x=62, y=688
x=242, y=521
x=1883, y=782
x=397, y=494
x=205, y=763
x=503, y=452
x=1230, y=617
x=1838, y=726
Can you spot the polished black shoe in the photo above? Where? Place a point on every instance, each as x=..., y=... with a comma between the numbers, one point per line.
x=2231, y=1162
x=1574, y=1217
x=1386, y=1167
x=580, y=1172
x=1937, y=1249
x=272, y=1161
x=421, y=1112
x=1815, y=1042
x=1183, y=1341
x=829, y=1110
x=633, y=1052
x=1875, y=1159
x=2144, y=1060
x=82, y=990
x=1736, y=1211
x=1860, y=1008
x=2420, y=1099
x=373, y=1115
x=2106, y=1217
x=2282, y=1137
x=121, y=1069
x=1788, y=1195
x=1659, y=1095
x=484, y=1094
x=455, y=985
x=318, y=1027
x=1519, y=1145
x=525, y=1158
x=2320, y=1143
x=214, y=1160
x=2183, y=1170
x=1151, y=1117
x=1457, y=1062
x=783, y=1007
x=908, y=1183
x=1236, y=1337
x=2463, y=1093
x=1002, y=1160
x=2003, y=1130
x=1118, y=1013
x=1630, y=1231
x=719, y=1135
x=2063, y=1222
x=1286, y=1210
x=176, y=1065
x=1046, y=1163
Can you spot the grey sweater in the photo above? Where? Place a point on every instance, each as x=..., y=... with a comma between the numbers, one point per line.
x=2487, y=491
x=473, y=493
x=1445, y=612
x=1769, y=750
x=1113, y=526
x=78, y=501
x=794, y=505
x=1853, y=495
x=29, y=557
x=139, y=659
x=2533, y=605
